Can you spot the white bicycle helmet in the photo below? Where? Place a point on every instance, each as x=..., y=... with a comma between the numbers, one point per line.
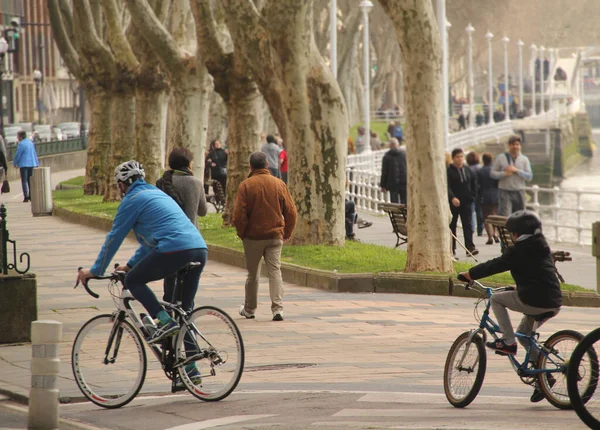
x=129, y=171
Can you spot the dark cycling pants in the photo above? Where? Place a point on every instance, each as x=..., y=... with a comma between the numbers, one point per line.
x=159, y=265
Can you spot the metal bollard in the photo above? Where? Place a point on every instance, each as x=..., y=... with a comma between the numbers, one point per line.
x=596, y=251
x=45, y=368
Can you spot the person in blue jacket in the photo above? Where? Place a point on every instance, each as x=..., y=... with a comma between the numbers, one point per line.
x=168, y=242
x=25, y=160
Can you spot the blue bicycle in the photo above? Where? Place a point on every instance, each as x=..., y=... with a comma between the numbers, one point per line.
x=466, y=363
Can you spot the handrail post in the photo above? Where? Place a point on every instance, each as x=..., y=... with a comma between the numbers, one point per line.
x=555, y=208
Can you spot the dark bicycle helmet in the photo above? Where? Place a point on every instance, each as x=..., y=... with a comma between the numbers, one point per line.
x=524, y=222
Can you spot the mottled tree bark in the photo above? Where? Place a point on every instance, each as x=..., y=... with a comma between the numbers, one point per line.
x=307, y=106
x=98, y=143
x=190, y=83
x=239, y=92
x=428, y=210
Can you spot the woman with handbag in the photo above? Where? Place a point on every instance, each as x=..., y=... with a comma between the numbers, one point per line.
x=217, y=160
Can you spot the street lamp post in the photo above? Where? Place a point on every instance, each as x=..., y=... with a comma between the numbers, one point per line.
x=366, y=6
x=533, y=79
x=489, y=36
x=521, y=101
x=470, y=31
x=333, y=36
x=3, y=50
x=37, y=77
x=542, y=78
x=506, y=104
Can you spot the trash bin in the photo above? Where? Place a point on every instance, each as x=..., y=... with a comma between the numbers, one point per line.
x=41, y=192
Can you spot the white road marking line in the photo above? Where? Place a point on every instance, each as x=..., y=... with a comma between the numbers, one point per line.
x=218, y=422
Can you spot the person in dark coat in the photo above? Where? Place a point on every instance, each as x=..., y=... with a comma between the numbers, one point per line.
x=217, y=160
x=477, y=220
x=487, y=195
x=462, y=188
x=538, y=288
x=393, y=172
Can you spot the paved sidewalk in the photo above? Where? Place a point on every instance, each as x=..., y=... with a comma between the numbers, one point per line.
x=384, y=342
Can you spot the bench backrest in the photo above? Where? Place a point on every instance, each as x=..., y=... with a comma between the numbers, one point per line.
x=397, y=214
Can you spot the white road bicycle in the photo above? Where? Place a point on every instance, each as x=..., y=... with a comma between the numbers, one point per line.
x=109, y=359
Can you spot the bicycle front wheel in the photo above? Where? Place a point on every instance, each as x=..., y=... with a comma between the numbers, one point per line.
x=108, y=361
x=464, y=370
x=561, y=346
x=214, y=343
x=582, y=379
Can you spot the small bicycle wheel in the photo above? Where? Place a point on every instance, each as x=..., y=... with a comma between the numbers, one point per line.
x=554, y=385
x=108, y=361
x=582, y=379
x=464, y=370
x=215, y=345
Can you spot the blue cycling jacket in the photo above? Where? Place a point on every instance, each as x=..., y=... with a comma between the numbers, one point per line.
x=157, y=221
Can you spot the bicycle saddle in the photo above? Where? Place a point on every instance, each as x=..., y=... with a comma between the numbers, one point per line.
x=544, y=316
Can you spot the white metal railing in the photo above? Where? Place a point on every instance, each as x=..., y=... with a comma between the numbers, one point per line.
x=363, y=188
x=474, y=136
x=370, y=161
x=567, y=214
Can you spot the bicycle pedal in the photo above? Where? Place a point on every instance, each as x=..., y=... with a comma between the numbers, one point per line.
x=502, y=353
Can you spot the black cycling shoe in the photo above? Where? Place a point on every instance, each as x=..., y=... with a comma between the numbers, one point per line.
x=501, y=347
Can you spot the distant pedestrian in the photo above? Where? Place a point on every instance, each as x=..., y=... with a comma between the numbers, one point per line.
x=473, y=163
x=217, y=162
x=461, y=193
x=461, y=122
x=182, y=186
x=283, y=162
x=25, y=160
x=351, y=148
x=264, y=217
x=390, y=130
x=272, y=150
x=512, y=169
x=393, y=173
x=360, y=144
x=488, y=196
x=375, y=142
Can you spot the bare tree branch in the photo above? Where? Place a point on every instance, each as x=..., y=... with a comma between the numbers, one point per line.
x=209, y=43
x=92, y=46
x=156, y=34
x=63, y=41
x=116, y=36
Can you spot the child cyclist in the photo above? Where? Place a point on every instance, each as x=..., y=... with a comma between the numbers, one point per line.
x=538, y=288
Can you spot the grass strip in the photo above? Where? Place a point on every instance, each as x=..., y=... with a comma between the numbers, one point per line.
x=353, y=257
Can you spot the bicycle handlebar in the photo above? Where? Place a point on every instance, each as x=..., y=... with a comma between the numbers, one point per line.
x=113, y=276
x=469, y=285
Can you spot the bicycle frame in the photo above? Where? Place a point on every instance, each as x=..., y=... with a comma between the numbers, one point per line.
x=489, y=325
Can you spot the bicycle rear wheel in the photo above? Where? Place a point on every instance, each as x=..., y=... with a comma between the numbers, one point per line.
x=463, y=380
x=108, y=361
x=215, y=345
x=582, y=379
x=554, y=385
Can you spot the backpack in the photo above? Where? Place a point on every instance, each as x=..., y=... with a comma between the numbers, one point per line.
x=398, y=132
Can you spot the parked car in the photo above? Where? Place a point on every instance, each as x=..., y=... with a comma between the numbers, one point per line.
x=10, y=134
x=44, y=132
x=57, y=134
x=70, y=130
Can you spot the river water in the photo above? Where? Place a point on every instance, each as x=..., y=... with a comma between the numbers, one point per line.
x=585, y=177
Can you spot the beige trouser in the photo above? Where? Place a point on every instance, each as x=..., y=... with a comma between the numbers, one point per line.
x=255, y=250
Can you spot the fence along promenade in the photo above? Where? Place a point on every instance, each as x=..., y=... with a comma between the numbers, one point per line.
x=567, y=213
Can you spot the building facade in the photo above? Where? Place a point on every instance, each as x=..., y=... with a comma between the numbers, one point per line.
x=55, y=97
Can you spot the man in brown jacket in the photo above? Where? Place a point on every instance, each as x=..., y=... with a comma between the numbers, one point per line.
x=264, y=216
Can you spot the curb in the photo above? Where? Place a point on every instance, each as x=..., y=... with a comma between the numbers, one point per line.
x=384, y=282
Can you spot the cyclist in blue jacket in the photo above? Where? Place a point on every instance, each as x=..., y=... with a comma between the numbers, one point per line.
x=168, y=242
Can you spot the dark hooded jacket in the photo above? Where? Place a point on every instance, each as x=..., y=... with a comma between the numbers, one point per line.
x=530, y=264
x=393, y=170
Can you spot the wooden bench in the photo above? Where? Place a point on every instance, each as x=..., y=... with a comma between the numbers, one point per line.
x=218, y=198
x=506, y=239
x=397, y=214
